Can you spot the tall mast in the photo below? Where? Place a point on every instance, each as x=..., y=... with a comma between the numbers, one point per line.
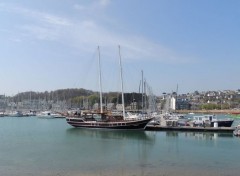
x=176, y=98
x=142, y=94
x=139, y=91
x=145, y=96
x=121, y=77
x=100, y=80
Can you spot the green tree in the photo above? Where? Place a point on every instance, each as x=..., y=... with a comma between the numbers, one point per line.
x=93, y=99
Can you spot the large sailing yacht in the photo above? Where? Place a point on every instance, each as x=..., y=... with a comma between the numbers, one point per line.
x=108, y=120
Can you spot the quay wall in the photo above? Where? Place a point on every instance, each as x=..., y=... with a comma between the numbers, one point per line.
x=191, y=129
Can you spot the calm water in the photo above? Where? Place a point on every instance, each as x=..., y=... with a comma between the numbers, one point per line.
x=50, y=147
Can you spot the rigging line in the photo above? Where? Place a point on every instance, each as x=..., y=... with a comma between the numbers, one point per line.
x=90, y=71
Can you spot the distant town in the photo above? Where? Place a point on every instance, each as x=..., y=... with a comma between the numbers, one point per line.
x=64, y=99
x=207, y=100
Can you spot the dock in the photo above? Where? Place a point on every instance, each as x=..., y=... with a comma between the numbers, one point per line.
x=190, y=129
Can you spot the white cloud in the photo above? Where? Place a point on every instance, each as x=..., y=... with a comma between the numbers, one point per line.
x=51, y=19
x=91, y=7
x=39, y=16
x=79, y=7
x=104, y=2
x=88, y=33
x=40, y=33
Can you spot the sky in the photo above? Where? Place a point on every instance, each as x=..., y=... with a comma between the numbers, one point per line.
x=47, y=45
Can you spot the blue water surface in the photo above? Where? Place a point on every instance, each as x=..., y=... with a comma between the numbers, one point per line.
x=50, y=147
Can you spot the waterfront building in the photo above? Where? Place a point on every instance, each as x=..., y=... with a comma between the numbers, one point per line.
x=3, y=102
x=173, y=103
x=183, y=104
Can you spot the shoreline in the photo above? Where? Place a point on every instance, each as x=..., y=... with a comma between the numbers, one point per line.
x=222, y=111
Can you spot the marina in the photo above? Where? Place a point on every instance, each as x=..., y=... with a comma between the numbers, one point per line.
x=120, y=88
x=122, y=140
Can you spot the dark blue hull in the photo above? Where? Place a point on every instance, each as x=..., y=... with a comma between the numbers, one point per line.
x=223, y=123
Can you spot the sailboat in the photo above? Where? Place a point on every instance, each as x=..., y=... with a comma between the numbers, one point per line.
x=108, y=120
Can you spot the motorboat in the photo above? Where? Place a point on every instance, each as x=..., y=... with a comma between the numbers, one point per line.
x=173, y=116
x=15, y=114
x=49, y=115
x=211, y=121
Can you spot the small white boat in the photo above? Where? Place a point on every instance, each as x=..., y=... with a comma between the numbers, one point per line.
x=49, y=115
x=154, y=122
x=15, y=114
x=2, y=114
x=172, y=116
x=236, y=132
x=30, y=113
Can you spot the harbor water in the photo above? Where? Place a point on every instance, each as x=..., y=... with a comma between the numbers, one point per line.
x=31, y=146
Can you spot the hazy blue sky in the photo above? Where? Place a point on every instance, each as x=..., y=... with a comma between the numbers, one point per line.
x=52, y=44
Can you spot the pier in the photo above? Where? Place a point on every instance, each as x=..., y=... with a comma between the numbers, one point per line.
x=190, y=129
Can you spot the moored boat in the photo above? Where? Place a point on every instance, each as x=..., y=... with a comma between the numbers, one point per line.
x=107, y=121
x=212, y=121
x=49, y=115
x=2, y=114
x=31, y=113
x=15, y=114
x=236, y=132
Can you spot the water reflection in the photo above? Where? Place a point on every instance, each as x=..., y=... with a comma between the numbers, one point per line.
x=198, y=135
x=112, y=134
x=112, y=151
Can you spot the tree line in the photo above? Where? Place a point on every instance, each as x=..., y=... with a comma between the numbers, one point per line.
x=77, y=96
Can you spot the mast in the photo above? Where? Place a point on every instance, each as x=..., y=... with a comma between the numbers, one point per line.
x=100, y=80
x=142, y=94
x=145, y=96
x=139, y=91
x=176, y=98
x=30, y=97
x=121, y=77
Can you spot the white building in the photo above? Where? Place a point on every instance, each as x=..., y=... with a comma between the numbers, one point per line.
x=173, y=103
